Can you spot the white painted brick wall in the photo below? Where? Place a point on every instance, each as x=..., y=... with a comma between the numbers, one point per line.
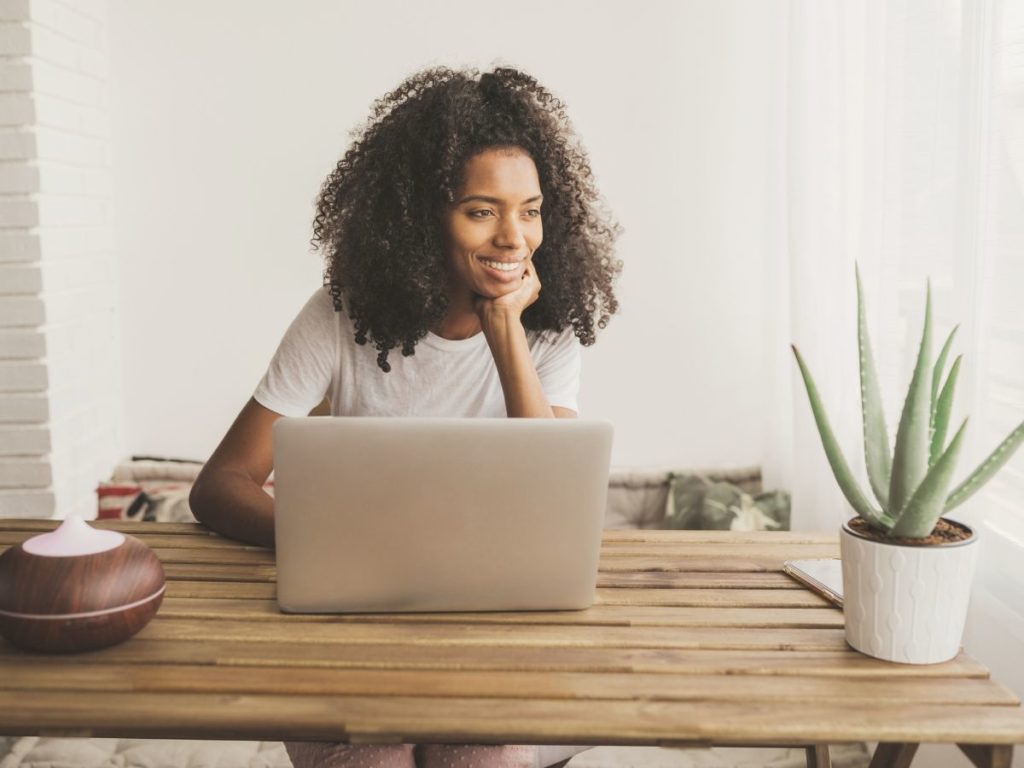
x=74, y=241
x=71, y=210
x=15, y=76
x=21, y=311
x=67, y=22
x=31, y=211
x=18, y=213
x=78, y=88
x=24, y=439
x=73, y=180
x=22, y=343
x=27, y=503
x=19, y=178
x=20, y=279
x=66, y=147
x=17, y=144
x=31, y=472
x=23, y=376
x=54, y=48
x=60, y=391
x=14, y=10
x=16, y=109
x=87, y=120
x=24, y=407
x=15, y=38
x=75, y=306
x=18, y=245
x=89, y=270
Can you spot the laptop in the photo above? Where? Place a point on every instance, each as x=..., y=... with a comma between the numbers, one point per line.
x=386, y=515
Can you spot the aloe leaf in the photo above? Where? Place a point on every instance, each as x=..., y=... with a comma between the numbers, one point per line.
x=877, y=457
x=987, y=468
x=910, y=458
x=941, y=410
x=940, y=365
x=926, y=505
x=847, y=483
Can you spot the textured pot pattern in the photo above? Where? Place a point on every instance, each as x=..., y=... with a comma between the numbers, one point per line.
x=906, y=603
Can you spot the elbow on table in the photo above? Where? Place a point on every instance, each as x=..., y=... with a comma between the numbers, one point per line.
x=204, y=499
x=197, y=501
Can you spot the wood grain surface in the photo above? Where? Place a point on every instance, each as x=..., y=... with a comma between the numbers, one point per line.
x=694, y=638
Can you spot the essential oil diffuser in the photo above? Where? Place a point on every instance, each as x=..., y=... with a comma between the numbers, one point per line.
x=77, y=588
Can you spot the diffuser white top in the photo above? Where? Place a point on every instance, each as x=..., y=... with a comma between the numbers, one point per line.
x=73, y=538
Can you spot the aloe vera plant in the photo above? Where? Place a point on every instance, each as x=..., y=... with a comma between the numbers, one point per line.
x=911, y=486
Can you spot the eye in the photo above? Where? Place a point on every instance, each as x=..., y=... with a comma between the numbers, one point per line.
x=481, y=213
x=533, y=213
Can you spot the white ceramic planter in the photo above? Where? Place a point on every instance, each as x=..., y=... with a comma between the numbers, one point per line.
x=906, y=603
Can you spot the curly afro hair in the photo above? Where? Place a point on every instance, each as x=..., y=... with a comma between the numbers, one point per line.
x=379, y=213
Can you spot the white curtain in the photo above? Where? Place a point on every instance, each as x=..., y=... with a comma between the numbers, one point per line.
x=872, y=158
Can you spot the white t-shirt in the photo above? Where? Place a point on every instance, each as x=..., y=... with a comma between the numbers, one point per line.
x=318, y=357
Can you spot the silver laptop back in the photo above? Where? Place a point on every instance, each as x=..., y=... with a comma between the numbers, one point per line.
x=426, y=514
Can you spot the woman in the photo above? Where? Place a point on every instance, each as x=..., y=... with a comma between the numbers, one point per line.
x=463, y=229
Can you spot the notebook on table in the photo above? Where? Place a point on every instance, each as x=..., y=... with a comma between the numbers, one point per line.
x=824, y=576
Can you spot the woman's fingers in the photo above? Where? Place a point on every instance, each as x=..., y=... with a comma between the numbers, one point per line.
x=516, y=300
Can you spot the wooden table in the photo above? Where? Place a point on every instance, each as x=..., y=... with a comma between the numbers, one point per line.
x=697, y=638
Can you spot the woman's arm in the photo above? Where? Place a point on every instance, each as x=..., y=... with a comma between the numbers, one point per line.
x=501, y=320
x=228, y=495
x=524, y=395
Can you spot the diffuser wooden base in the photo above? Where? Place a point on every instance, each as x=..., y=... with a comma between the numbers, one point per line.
x=80, y=602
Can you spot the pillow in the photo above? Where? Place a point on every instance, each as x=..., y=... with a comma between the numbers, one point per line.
x=696, y=502
x=150, y=501
x=641, y=498
x=151, y=489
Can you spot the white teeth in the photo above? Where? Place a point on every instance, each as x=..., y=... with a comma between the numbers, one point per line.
x=502, y=266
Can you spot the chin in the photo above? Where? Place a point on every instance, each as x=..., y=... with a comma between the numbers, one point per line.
x=494, y=292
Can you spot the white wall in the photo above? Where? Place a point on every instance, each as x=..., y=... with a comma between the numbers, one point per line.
x=227, y=116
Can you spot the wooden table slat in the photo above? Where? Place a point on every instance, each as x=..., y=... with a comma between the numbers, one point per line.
x=625, y=580
x=522, y=685
x=610, y=537
x=652, y=567
x=484, y=635
x=245, y=588
x=697, y=580
x=724, y=598
x=720, y=550
x=792, y=663
x=207, y=561
x=372, y=719
x=617, y=536
x=254, y=609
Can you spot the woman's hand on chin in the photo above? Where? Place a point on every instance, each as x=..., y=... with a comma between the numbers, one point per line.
x=509, y=306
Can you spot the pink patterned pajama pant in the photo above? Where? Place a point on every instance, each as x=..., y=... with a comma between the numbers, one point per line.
x=324, y=754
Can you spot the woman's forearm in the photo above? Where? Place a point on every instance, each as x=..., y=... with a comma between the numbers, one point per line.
x=230, y=503
x=524, y=395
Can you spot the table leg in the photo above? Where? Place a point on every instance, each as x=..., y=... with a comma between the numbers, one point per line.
x=988, y=755
x=818, y=756
x=889, y=754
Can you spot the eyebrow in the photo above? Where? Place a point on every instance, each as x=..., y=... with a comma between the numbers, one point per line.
x=495, y=200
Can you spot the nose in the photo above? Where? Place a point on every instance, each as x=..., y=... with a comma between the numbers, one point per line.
x=510, y=233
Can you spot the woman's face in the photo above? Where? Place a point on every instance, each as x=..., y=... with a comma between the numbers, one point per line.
x=494, y=226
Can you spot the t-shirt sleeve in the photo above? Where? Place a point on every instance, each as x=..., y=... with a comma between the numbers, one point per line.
x=300, y=373
x=558, y=367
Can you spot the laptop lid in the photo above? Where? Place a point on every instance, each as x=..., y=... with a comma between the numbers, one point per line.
x=429, y=514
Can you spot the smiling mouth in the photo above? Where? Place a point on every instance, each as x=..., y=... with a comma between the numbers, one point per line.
x=501, y=266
